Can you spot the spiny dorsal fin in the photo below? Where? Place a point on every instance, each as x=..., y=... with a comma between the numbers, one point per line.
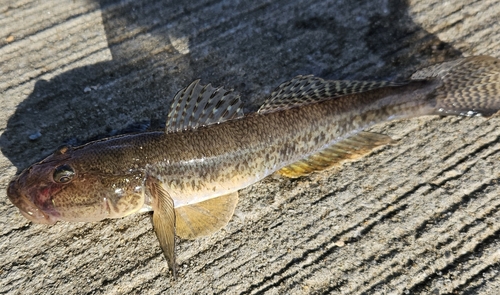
x=303, y=90
x=198, y=105
x=204, y=218
x=351, y=148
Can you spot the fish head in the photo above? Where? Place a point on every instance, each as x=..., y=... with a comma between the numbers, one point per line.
x=26, y=204
x=68, y=186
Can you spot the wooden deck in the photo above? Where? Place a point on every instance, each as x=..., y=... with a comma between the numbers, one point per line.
x=420, y=217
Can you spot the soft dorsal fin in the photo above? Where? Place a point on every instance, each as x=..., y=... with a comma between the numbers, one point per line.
x=198, y=105
x=350, y=148
x=303, y=90
x=435, y=71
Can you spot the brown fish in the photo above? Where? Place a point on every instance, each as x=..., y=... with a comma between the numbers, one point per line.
x=190, y=174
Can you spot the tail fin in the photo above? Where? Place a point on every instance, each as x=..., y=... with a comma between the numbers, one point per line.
x=470, y=85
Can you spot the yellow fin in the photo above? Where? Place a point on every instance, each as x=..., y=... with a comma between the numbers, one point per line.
x=163, y=221
x=351, y=148
x=205, y=218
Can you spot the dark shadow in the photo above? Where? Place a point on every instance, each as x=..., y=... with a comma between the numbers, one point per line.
x=158, y=47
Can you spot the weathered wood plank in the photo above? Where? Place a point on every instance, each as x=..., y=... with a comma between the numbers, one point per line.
x=420, y=217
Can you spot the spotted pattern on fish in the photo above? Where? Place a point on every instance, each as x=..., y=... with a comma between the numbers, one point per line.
x=199, y=105
x=210, y=149
x=303, y=90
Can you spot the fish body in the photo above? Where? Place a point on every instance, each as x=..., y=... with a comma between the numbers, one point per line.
x=198, y=164
x=189, y=174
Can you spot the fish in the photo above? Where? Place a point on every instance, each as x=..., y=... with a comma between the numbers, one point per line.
x=189, y=174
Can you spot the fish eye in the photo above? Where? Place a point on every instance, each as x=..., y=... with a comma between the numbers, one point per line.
x=63, y=174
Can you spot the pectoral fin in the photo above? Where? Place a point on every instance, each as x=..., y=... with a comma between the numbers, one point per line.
x=205, y=218
x=163, y=220
x=351, y=148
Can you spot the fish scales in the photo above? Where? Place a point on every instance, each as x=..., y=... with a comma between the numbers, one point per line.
x=189, y=175
x=211, y=161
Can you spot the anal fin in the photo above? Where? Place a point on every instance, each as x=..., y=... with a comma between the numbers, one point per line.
x=350, y=148
x=204, y=218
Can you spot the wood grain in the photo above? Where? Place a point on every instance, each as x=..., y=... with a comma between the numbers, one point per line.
x=420, y=217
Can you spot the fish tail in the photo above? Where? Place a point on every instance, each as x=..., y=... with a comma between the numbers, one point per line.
x=469, y=86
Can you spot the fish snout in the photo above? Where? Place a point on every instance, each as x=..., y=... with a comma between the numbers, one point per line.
x=26, y=206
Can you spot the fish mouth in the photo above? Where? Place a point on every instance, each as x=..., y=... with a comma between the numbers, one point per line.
x=28, y=209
